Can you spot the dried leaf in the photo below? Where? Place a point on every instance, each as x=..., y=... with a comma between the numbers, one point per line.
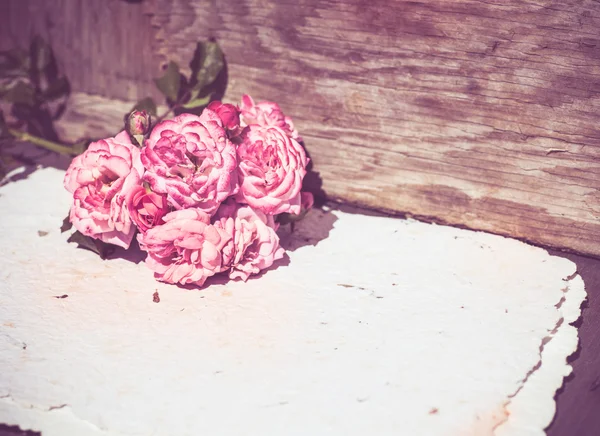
x=207, y=63
x=170, y=82
x=197, y=102
x=60, y=110
x=4, y=132
x=66, y=225
x=38, y=119
x=22, y=112
x=7, y=164
x=20, y=92
x=57, y=89
x=147, y=104
x=41, y=54
x=14, y=63
x=6, y=84
x=102, y=249
x=43, y=62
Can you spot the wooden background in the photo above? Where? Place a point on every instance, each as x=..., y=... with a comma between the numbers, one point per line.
x=482, y=114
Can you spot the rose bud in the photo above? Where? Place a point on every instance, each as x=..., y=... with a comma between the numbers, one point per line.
x=137, y=125
x=307, y=201
x=228, y=113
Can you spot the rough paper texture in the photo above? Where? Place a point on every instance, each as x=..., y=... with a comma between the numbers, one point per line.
x=374, y=326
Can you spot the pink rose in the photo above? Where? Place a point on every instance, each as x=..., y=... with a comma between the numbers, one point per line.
x=228, y=113
x=186, y=249
x=146, y=209
x=99, y=180
x=191, y=160
x=255, y=243
x=271, y=168
x=266, y=114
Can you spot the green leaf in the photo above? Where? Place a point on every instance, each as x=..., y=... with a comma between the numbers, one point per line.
x=20, y=92
x=284, y=218
x=147, y=104
x=207, y=63
x=170, y=82
x=66, y=225
x=139, y=139
x=57, y=89
x=197, y=102
x=41, y=54
x=95, y=245
x=288, y=218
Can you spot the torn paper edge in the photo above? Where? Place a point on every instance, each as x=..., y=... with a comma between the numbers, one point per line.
x=524, y=410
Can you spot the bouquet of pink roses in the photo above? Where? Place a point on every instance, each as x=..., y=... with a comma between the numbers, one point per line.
x=202, y=192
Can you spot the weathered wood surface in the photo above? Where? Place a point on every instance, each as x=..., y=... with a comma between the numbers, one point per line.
x=472, y=113
x=104, y=46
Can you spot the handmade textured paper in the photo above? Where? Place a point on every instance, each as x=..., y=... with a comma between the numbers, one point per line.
x=375, y=326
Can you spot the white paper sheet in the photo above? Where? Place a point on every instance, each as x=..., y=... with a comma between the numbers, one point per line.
x=376, y=326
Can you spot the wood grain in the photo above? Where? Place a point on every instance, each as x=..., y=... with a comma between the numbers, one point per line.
x=481, y=114
x=102, y=45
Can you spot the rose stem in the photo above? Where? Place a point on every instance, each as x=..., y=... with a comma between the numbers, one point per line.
x=24, y=136
x=162, y=117
x=176, y=105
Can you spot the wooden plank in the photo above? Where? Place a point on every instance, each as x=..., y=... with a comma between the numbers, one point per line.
x=471, y=113
x=102, y=45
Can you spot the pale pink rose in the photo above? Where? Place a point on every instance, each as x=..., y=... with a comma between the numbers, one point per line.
x=146, y=209
x=271, y=168
x=100, y=180
x=266, y=114
x=255, y=243
x=191, y=160
x=186, y=249
x=228, y=113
